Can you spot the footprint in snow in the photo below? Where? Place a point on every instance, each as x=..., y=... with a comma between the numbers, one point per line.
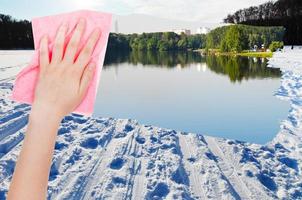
x=117, y=163
x=89, y=143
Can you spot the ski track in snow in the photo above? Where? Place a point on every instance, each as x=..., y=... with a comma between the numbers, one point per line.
x=106, y=158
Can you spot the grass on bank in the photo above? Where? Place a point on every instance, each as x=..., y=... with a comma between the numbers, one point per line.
x=256, y=54
x=217, y=52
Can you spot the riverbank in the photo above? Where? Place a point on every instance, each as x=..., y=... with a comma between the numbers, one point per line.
x=245, y=53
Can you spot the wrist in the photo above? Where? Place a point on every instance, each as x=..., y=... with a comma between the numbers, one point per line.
x=43, y=112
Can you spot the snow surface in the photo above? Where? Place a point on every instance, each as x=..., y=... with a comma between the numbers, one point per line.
x=105, y=158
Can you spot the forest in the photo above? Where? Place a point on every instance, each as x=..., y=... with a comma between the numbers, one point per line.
x=162, y=41
x=286, y=13
x=17, y=34
x=236, y=38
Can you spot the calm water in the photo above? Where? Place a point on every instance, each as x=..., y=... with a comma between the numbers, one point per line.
x=218, y=96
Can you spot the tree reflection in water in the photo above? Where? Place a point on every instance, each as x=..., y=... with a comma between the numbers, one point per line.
x=235, y=67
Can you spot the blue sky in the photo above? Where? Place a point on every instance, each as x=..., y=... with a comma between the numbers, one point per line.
x=187, y=10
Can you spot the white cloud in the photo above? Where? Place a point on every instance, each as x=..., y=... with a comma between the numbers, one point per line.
x=186, y=10
x=87, y=4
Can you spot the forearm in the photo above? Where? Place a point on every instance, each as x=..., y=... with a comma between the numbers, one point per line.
x=32, y=170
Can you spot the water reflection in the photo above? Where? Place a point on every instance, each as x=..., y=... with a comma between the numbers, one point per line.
x=239, y=68
x=236, y=68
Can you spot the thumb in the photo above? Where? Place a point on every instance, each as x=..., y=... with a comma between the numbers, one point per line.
x=86, y=78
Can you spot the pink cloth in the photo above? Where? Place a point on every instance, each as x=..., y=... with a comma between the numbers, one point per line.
x=26, y=80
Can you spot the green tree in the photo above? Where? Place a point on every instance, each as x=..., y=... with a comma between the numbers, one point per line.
x=275, y=45
x=182, y=44
x=233, y=40
x=142, y=44
x=152, y=44
x=163, y=45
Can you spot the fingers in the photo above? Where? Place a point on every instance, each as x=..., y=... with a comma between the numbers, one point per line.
x=58, y=47
x=43, y=53
x=86, y=78
x=87, y=50
x=73, y=44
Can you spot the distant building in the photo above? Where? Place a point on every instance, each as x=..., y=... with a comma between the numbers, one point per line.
x=203, y=30
x=182, y=31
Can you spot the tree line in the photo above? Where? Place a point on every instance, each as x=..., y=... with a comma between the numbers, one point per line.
x=236, y=38
x=17, y=34
x=162, y=41
x=267, y=12
x=286, y=13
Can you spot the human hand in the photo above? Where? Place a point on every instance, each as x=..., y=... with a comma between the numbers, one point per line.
x=63, y=80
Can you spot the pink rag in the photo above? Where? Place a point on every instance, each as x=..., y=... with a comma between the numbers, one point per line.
x=25, y=83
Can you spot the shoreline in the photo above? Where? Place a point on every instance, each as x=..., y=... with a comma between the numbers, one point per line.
x=243, y=54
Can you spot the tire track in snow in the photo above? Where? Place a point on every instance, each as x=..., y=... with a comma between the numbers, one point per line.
x=13, y=127
x=139, y=182
x=197, y=188
x=229, y=170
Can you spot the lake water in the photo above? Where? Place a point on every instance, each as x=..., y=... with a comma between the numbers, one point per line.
x=219, y=96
